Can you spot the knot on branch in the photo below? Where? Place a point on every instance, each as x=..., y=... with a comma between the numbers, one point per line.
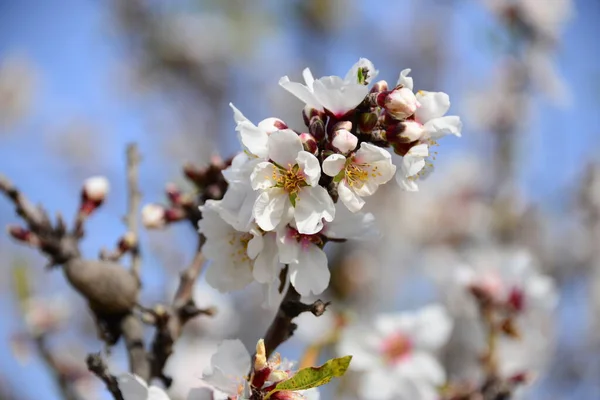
x=98, y=367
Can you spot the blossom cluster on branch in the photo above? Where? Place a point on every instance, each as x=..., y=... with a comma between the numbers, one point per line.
x=291, y=191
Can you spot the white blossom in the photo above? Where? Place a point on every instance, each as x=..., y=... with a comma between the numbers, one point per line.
x=411, y=166
x=154, y=216
x=289, y=187
x=430, y=114
x=254, y=138
x=360, y=174
x=396, y=354
x=331, y=93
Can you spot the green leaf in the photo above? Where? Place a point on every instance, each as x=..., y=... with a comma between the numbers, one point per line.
x=311, y=377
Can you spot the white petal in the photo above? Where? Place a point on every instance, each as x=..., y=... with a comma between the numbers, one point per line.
x=348, y=225
x=432, y=328
x=337, y=96
x=313, y=204
x=352, y=74
x=156, y=393
x=310, y=394
x=423, y=367
x=253, y=138
x=132, y=387
x=270, y=125
x=284, y=147
x=334, y=164
x=229, y=364
x=309, y=165
x=267, y=265
x=378, y=385
x=405, y=80
x=270, y=207
x=288, y=246
x=311, y=273
x=349, y=198
x=264, y=176
x=237, y=114
x=201, y=393
x=433, y=105
x=439, y=127
x=308, y=77
x=226, y=276
x=406, y=184
x=255, y=245
x=300, y=91
x=369, y=153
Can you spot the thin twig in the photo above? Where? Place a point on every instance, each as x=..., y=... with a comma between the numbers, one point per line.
x=134, y=195
x=97, y=365
x=60, y=377
x=188, y=277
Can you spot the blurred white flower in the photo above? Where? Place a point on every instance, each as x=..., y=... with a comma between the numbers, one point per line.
x=44, y=315
x=154, y=216
x=17, y=81
x=396, y=354
x=135, y=388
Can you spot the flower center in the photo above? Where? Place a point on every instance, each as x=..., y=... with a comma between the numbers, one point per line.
x=355, y=175
x=239, y=246
x=290, y=179
x=396, y=347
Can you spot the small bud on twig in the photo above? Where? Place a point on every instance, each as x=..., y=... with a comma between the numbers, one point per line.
x=400, y=103
x=309, y=143
x=153, y=216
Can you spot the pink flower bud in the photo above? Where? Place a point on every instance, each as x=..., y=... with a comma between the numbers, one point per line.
x=174, y=214
x=271, y=125
x=412, y=130
x=173, y=193
x=308, y=113
x=127, y=242
x=317, y=128
x=95, y=189
x=399, y=103
x=309, y=142
x=22, y=234
x=153, y=216
x=344, y=141
x=380, y=86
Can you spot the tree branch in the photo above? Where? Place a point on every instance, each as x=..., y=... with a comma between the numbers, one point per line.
x=97, y=365
x=134, y=200
x=282, y=327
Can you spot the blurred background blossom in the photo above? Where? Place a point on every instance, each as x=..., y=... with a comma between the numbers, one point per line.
x=518, y=194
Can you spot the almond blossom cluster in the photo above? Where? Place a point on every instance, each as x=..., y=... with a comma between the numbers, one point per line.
x=290, y=191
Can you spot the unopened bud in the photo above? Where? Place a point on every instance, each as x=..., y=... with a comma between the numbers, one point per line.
x=309, y=143
x=317, y=128
x=260, y=360
x=516, y=299
x=404, y=132
x=271, y=125
x=344, y=141
x=127, y=242
x=217, y=161
x=402, y=148
x=380, y=86
x=367, y=122
x=308, y=113
x=95, y=189
x=22, y=234
x=174, y=214
x=399, y=103
x=154, y=216
x=173, y=193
